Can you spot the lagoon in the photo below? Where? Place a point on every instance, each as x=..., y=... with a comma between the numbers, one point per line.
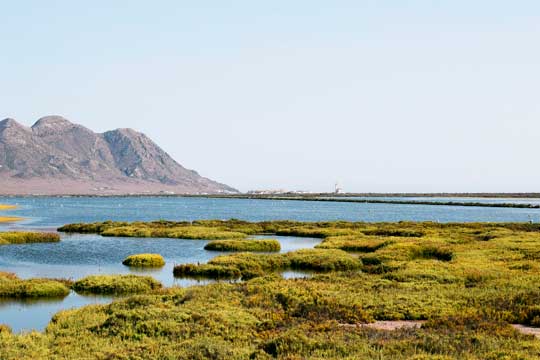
x=77, y=255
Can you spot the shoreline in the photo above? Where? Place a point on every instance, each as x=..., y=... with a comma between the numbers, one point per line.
x=495, y=195
x=342, y=198
x=395, y=202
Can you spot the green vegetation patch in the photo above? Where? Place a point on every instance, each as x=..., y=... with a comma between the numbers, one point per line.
x=14, y=288
x=157, y=229
x=262, y=245
x=207, y=271
x=354, y=243
x=144, y=260
x=116, y=284
x=468, y=304
x=25, y=237
x=248, y=265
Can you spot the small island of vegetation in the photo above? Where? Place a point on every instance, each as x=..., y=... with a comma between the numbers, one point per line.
x=116, y=284
x=261, y=245
x=26, y=237
x=11, y=287
x=144, y=260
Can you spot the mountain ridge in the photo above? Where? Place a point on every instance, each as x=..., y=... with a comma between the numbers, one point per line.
x=55, y=156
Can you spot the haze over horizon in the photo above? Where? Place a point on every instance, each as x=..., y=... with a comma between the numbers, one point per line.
x=380, y=96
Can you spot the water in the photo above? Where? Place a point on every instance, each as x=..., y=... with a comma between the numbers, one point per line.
x=53, y=212
x=79, y=255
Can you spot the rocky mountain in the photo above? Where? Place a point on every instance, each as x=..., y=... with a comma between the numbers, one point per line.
x=55, y=157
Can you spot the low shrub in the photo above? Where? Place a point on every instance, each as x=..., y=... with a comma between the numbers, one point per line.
x=116, y=284
x=263, y=245
x=4, y=329
x=144, y=260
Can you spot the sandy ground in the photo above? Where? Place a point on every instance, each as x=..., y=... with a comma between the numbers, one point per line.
x=527, y=330
x=394, y=325
x=389, y=325
x=8, y=219
x=7, y=207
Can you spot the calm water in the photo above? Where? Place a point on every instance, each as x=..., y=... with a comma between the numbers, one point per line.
x=77, y=256
x=80, y=255
x=54, y=212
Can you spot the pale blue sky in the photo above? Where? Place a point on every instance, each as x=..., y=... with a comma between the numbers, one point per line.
x=380, y=95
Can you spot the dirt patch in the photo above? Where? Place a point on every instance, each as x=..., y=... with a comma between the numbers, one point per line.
x=389, y=325
x=527, y=330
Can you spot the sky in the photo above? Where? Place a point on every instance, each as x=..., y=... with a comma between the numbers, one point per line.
x=380, y=96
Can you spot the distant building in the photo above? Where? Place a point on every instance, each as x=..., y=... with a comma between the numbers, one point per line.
x=337, y=189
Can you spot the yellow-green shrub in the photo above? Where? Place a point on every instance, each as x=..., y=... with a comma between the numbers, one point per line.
x=144, y=260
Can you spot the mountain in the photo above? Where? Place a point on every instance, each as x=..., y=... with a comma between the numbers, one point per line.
x=55, y=157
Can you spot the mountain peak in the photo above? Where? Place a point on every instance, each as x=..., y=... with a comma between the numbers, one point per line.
x=56, y=156
x=11, y=123
x=51, y=124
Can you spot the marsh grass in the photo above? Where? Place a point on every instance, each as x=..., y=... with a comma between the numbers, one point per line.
x=354, y=243
x=468, y=281
x=158, y=229
x=250, y=265
x=262, y=245
x=21, y=237
x=144, y=260
x=116, y=284
x=207, y=271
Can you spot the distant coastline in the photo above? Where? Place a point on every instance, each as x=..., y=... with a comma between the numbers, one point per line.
x=531, y=195
x=346, y=198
